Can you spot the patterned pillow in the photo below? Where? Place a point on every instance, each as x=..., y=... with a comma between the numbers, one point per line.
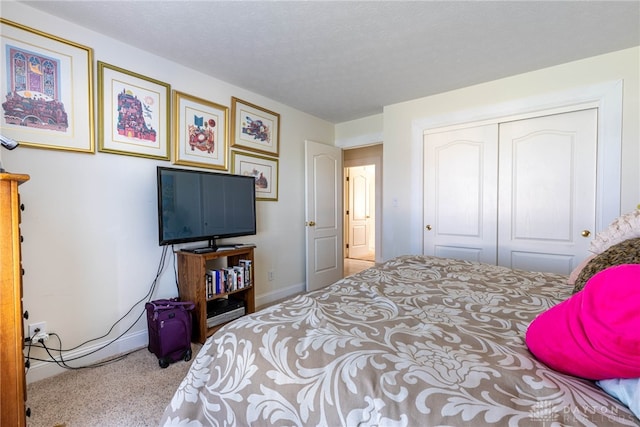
x=627, y=252
x=624, y=227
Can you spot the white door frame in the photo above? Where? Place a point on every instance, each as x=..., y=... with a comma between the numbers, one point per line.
x=377, y=162
x=607, y=97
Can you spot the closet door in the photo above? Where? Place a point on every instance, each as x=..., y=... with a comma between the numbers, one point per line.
x=547, y=189
x=460, y=200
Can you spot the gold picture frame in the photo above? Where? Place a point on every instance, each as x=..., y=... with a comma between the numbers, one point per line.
x=254, y=128
x=133, y=113
x=263, y=169
x=47, y=89
x=200, y=132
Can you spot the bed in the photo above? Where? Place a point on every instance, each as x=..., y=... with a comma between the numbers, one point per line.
x=414, y=341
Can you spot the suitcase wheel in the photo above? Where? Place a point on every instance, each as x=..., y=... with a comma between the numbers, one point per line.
x=163, y=362
x=187, y=355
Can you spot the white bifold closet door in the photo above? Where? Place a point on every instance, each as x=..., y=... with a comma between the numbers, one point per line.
x=461, y=194
x=519, y=194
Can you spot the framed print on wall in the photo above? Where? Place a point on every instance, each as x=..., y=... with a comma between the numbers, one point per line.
x=47, y=90
x=263, y=169
x=133, y=113
x=254, y=128
x=200, y=132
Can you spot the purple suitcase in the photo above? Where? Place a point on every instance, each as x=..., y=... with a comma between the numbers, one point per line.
x=169, y=324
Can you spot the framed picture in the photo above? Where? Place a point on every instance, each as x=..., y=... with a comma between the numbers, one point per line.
x=200, y=132
x=133, y=113
x=263, y=169
x=47, y=90
x=254, y=128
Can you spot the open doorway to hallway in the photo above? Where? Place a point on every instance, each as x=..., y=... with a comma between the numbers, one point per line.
x=360, y=212
x=362, y=206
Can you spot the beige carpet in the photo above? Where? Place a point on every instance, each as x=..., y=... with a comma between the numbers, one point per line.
x=131, y=392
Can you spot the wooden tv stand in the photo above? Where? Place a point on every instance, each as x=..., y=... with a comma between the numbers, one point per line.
x=192, y=268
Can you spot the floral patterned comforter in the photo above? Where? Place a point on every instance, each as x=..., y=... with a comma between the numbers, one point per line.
x=415, y=341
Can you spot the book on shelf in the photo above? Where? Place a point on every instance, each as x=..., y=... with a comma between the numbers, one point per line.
x=239, y=276
x=228, y=279
x=208, y=284
x=246, y=264
x=219, y=287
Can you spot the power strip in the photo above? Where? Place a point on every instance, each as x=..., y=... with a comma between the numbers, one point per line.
x=40, y=336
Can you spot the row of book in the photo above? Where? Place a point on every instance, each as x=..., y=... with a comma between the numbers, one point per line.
x=228, y=279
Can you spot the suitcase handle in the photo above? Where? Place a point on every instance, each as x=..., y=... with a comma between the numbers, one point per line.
x=165, y=304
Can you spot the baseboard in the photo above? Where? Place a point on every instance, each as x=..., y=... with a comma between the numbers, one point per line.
x=274, y=296
x=133, y=341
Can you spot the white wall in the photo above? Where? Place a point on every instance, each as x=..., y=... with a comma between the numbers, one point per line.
x=360, y=132
x=90, y=225
x=402, y=198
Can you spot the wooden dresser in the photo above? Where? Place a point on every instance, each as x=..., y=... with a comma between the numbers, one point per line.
x=12, y=372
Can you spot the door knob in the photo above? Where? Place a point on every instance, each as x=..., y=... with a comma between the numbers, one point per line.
x=428, y=227
x=585, y=233
x=311, y=223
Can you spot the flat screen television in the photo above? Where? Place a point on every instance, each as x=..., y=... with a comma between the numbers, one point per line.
x=198, y=206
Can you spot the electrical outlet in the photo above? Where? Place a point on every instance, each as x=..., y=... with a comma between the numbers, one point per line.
x=37, y=328
x=270, y=275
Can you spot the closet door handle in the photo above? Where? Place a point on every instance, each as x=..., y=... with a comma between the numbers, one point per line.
x=428, y=227
x=311, y=223
x=585, y=233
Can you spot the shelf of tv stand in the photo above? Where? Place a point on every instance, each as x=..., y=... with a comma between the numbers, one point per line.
x=192, y=268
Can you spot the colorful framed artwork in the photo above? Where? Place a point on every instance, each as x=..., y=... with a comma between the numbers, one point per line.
x=200, y=132
x=133, y=113
x=254, y=128
x=263, y=169
x=47, y=90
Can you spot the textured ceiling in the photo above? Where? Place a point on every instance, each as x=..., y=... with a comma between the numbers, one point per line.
x=345, y=60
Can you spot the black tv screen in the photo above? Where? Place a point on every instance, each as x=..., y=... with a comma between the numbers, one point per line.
x=204, y=206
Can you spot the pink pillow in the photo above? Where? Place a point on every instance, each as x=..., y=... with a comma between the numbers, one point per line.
x=595, y=334
x=576, y=271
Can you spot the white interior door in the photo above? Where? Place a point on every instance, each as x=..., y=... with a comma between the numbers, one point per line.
x=361, y=212
x=323, y=200
x=547, y=198
x=460, y=185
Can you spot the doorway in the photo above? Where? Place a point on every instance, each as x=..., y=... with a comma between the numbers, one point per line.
x=360, y=212
x=362, y=207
